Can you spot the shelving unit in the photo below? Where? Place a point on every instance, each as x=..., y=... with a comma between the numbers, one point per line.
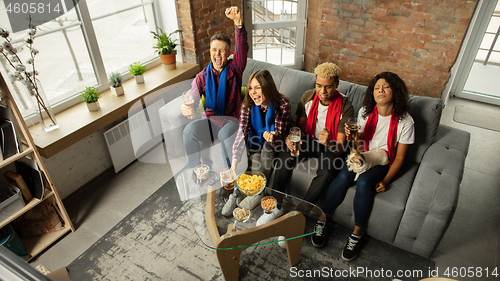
x=34, y=245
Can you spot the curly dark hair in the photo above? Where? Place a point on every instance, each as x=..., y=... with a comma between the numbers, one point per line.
x=399, y=92
x=268, y=87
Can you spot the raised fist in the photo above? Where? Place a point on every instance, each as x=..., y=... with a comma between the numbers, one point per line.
x=234, y=13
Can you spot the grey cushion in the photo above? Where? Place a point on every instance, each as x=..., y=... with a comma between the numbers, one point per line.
x=434, y=195
x=388, y=207
x=354, y=92
x=290, y=82
x=426, y=112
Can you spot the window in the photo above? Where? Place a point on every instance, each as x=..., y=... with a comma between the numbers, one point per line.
x=277, y=28
x=82, y=47
x=478, y=68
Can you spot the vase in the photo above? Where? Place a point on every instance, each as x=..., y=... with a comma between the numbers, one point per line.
x=139, y=79
x=41, y=106
x=93, y=106
x=168, y=61
x=118, y=91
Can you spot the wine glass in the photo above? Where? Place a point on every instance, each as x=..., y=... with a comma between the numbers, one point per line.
x=189, y=102
x=295, y=138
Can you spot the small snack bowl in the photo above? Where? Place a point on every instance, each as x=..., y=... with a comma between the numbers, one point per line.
x=268, y=204
x=229, y=187
x=201, y=171
x=251, y=183
x=241, y=214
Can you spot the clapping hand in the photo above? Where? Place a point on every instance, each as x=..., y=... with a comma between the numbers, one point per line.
x=268, y=136
x=324, y=136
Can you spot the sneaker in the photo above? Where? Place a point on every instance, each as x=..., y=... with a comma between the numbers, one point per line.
x=250, y=202
x=265, y=218
x=228, y=208
x=318, y=238
x=281, y=242
x=352, y=248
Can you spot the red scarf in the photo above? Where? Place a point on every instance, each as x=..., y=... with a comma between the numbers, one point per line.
x=371, y=125
x=332, y=116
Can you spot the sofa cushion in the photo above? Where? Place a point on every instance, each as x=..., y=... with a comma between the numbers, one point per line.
x=354, y=92
x=426, y=112
x=290, y=82
x=388, y=206
x=435, y=192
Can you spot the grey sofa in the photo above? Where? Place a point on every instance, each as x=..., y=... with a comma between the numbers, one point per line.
x=417, y=207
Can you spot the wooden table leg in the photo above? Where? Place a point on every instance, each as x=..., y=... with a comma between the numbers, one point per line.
x=229, y=261
x=289, y=225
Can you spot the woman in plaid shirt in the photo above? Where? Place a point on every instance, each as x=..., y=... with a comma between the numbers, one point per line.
x=264, y=133
x=264, y=121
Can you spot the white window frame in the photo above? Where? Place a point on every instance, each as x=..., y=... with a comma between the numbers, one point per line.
x=300, y=26
x=472, y=42
x=165, y=17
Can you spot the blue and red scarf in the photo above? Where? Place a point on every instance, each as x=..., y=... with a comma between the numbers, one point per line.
x=332, y=117
x=258, y=127
x=215, y=99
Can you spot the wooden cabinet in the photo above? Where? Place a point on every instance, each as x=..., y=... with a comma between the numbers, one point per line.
x=37, y=244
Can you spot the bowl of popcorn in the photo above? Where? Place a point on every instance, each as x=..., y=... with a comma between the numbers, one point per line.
x=241, y=214
x=268, y=204
x=251, y=183
x=201, y=171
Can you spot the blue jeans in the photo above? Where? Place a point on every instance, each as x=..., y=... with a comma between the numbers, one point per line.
x=202, y=131
x=329, y=165
x=365, y=191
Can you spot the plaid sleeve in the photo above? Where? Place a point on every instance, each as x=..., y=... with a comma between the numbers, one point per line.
x=237, y=66
x=243, y=132
x=240, y=50
x=282, y=122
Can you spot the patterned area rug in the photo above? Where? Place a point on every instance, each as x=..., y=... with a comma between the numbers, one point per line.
x=156, y=241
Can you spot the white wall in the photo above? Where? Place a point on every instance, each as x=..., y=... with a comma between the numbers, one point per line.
x=86, y=160
x=79, y=164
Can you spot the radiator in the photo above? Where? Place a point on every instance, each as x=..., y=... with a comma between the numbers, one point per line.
x=130, y=139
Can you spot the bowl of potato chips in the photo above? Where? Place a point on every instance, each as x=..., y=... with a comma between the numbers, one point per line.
x=251, y=183
x=241, y=214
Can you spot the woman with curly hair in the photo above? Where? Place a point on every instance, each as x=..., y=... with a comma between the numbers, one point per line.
x=384, y=124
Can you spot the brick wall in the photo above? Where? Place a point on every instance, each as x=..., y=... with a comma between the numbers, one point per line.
x=199, y=20
x=419, y=39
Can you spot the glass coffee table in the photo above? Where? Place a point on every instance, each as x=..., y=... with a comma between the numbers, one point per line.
x=204, y=200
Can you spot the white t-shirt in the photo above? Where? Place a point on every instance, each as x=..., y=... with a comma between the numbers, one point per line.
x=405, y=133
x=321, y=118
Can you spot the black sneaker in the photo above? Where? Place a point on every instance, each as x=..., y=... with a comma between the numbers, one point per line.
x=352, y=248
x=318, y=238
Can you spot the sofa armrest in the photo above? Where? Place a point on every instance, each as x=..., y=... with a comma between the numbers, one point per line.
x=434, y=194
x=173, y=123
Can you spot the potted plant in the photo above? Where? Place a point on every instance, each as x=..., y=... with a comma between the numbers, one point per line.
x=137, y=70
x=115, y=81
x=91, y=97
x=165, y=47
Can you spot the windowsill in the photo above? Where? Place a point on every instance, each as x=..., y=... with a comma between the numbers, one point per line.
x=76, y=122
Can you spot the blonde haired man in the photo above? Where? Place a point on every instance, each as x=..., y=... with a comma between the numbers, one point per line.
x=321, y=115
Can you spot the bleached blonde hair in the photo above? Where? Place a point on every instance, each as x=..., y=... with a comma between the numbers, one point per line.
x=328, y=70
